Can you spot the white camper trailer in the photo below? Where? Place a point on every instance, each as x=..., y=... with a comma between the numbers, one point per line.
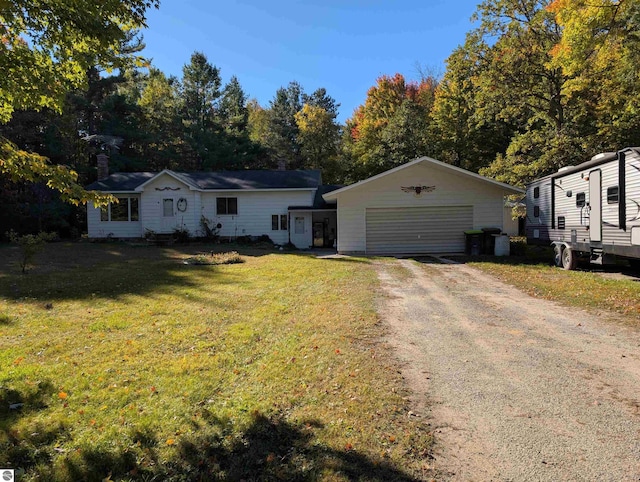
x=590, y=211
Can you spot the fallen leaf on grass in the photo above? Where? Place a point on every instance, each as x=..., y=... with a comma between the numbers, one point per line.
x=62, y=396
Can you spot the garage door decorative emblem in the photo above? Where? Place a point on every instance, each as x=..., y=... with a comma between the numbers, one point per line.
x=417, y=190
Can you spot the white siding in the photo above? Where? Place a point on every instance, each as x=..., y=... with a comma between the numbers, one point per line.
x=255, y=209
x=577, y=218
x=254, y=213
x=116, y=229
x=167, y=187
x=509, y=225
x=451, y=189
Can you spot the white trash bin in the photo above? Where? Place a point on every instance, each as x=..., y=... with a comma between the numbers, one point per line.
x=502, y=247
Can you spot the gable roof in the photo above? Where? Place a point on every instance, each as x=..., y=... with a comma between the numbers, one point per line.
x=214, y=181
x=506, y=187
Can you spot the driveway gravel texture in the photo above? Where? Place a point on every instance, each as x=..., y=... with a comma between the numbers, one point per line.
x=515, y=388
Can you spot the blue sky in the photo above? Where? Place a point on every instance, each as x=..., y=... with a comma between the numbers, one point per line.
x=343, y=46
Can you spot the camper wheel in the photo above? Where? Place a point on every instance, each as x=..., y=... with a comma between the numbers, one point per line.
x=569, y=259
x=557, y=255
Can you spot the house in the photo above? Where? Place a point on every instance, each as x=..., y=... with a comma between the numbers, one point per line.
x=423, y=206
x=285, y=205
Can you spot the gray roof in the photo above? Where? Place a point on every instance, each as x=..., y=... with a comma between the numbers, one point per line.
x=222, y=180
x=318, y=200
x=121, y=181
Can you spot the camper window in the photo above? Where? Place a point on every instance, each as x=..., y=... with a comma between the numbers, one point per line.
x=612, y=195
x=536, y=211
x=536, y=192
x=581, y=200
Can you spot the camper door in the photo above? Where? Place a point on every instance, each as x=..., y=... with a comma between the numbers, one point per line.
x=595, y=204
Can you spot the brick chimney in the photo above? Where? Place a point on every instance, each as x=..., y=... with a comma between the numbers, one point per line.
x=103, y=166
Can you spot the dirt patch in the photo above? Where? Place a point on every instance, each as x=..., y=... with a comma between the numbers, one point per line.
x=516, y=388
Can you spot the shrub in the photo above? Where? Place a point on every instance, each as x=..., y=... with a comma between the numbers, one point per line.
x=231, y=257
x=29, y=245
x=181, y=235
x=209, y=233
x=518, y=246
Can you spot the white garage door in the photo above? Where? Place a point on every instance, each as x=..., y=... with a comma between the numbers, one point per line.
x=438, y=229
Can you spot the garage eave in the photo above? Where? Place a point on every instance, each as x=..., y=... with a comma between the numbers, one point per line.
x=507, y=188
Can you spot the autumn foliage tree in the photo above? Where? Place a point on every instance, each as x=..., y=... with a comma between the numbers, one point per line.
x=391, y=126
x=46, y=49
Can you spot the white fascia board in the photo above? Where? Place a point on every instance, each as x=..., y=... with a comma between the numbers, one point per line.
x=510, y=189
x=169, y=172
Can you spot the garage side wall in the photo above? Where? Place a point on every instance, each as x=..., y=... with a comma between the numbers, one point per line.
x=451, y=189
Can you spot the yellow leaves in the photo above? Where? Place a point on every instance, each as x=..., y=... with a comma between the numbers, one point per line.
x=62, y=395
x=26, y=166
x=18, y=360
x=171, y=441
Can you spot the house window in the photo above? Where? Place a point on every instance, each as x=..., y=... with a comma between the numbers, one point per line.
x=581, y=199
x=613, y=194
x=133, y=209
x=167, y=208
x=120, y=211
x=536, y=211
x=125, y=210
x=227, y=205
x=279, y=222
x=561, y=222
x=536, y=192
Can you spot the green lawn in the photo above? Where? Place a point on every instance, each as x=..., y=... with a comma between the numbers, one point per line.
x=124, y=363
x=612, y=288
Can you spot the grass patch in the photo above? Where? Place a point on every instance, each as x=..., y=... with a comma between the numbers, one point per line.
x=125, y=363
x=534, y=274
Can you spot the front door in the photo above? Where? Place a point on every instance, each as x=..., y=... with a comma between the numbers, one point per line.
x=168, y=222
x=318, y=235
x=595, y=205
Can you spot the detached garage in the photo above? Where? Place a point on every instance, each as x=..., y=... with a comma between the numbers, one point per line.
x=423, y=206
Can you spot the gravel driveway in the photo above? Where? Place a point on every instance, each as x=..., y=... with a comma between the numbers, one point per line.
x=516, y=388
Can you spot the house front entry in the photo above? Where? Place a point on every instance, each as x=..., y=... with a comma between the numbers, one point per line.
x=324, y=229
x=313, y=228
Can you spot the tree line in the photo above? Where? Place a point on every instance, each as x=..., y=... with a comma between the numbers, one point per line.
x=537, y=85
